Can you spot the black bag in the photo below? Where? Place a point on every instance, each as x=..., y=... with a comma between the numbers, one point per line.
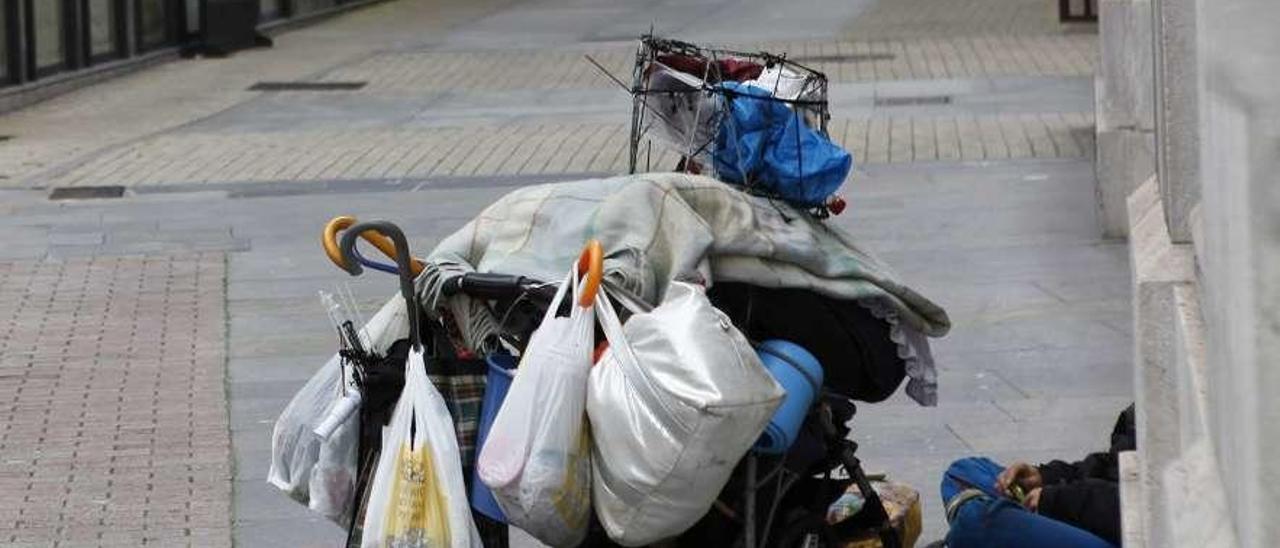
x=858, y=358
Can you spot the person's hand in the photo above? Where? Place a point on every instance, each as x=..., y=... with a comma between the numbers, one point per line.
x=1021, y=474
x=1032, y=502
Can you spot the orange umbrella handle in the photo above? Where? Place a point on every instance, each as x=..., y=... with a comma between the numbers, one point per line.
x=329, y=239
x=591, y=262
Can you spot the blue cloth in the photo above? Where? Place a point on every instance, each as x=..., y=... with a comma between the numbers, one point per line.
x=993, y=521
x=766, y=143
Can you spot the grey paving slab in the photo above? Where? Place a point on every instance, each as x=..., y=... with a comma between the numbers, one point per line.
x=150, y=232
x=253, y=452
x=298, y=288
x=1008, y=263
x=298, y=306
x=76, y=238
x=900, y=411
x=302, y=531
x=23, y=250
x=297, y=368
x=915, y=440
x=1070, y=437
x=1042, y=359
x=252, y=388
x=262, y=501
x=1074, y=379
x=270, y=323
x=252, y=411
x=1065, y=407
x=304, y=342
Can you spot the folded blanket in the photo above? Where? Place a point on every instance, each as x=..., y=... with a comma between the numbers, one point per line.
x=660, y=227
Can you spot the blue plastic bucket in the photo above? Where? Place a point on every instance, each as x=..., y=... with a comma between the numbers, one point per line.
x=801, y=375
x=502, y=368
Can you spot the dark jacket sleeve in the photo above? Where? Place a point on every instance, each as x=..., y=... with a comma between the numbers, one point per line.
x=1090, y=504
x=1097, y=465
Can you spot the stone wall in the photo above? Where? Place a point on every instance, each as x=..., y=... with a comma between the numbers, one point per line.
x=1177, y=111
x=1123, y=107
x=1205, y=239
x=1238, y=252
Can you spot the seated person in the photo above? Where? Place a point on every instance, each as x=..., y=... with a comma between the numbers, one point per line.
x=1057, y=504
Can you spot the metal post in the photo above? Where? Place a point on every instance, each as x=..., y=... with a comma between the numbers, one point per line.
x=28, y=41
x=15, y=41
x=75, y=33
x=130, y=25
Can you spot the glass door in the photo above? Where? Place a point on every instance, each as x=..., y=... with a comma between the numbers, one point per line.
x=193, y=22
x=104, y=25
x=47, y=21
x=155, y=23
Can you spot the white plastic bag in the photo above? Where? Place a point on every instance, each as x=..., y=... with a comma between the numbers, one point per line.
x=294, y=447
x=418, y=498
x=675, y=402
x=536, y=458
x=321, y=473
x=333, y=480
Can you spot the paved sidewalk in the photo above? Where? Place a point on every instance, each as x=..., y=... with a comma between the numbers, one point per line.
x=86, y=122
x=331, y=154
x=113, y=419
x=435, y=104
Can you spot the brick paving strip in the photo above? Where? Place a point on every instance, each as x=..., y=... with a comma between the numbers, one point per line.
x=566, y=148
x=113, y=414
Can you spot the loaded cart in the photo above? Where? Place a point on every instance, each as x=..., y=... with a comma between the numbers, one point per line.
x=719, y=295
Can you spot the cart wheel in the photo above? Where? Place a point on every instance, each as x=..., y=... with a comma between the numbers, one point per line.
x=807, y=531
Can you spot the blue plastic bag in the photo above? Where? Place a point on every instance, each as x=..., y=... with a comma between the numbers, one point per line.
x=767, y=144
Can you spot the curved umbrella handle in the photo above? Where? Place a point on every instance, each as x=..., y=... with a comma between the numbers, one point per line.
x=591, y=264
x=403, y=263
x=329, y=239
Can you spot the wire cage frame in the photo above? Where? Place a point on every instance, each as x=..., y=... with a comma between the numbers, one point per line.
x=681, y=108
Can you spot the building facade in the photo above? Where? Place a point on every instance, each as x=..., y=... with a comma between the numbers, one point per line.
x=53, y=40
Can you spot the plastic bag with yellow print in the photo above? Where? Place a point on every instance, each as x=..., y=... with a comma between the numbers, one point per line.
x=418, y=498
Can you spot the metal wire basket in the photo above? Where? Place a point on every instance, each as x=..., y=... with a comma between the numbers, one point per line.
x=678, y=101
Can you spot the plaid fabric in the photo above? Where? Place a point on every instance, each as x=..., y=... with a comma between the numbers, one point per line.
x=459, y=376
x=462, y=393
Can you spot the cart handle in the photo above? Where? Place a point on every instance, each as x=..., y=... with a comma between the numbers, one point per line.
x=591, y=261
x=329, y=239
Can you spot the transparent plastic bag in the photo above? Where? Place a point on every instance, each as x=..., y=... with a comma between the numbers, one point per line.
x=333, y=479
x=418, y=498
x=295, y=448
x=321, y=472
x=537, y=456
